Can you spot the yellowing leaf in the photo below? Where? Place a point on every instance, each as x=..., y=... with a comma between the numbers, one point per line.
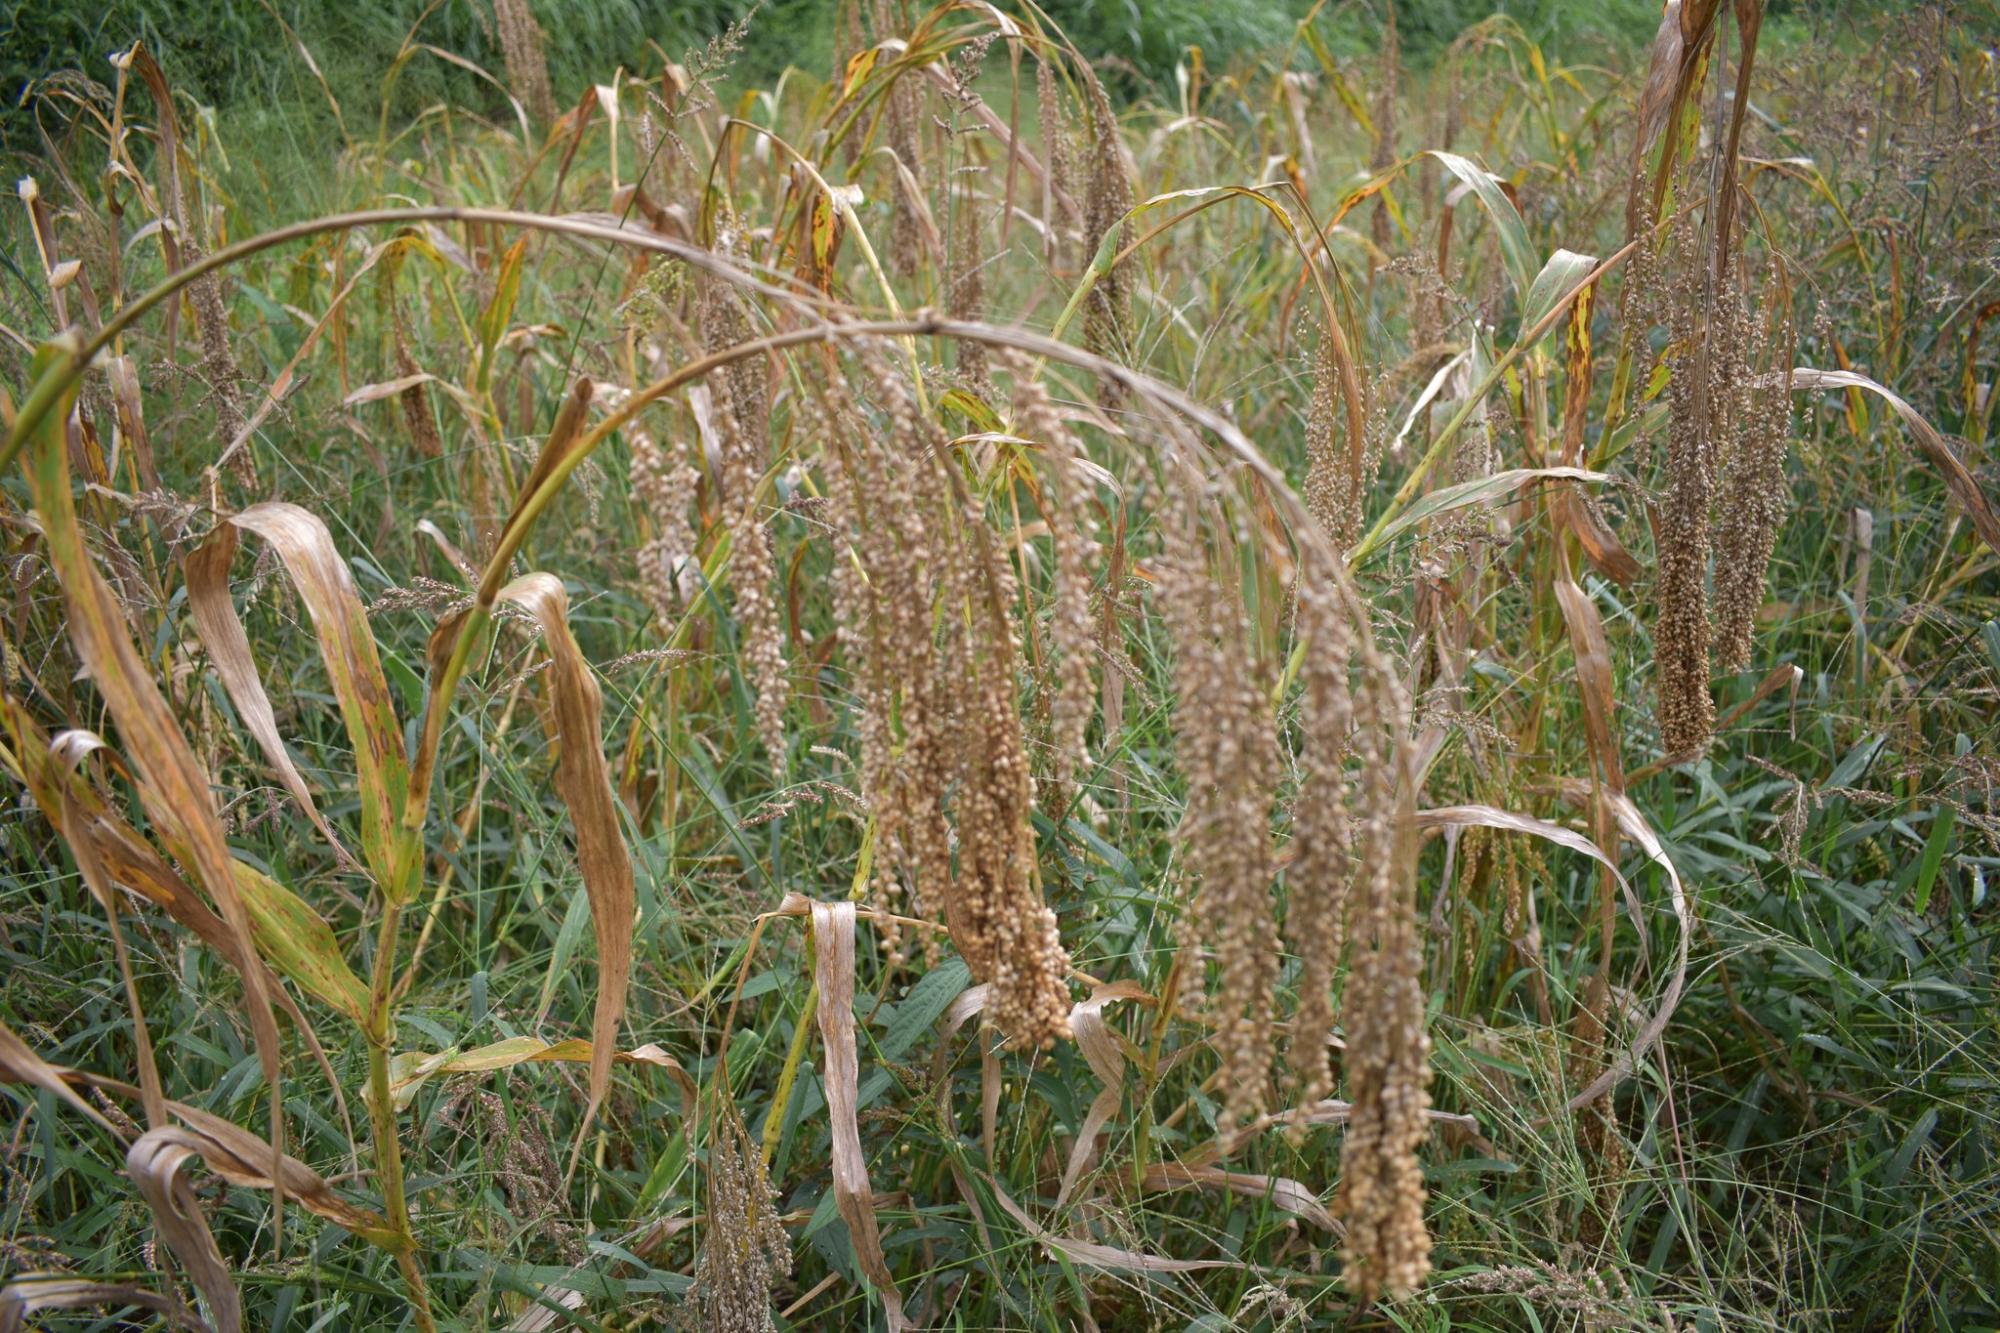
x=584, y=782
x=297, y=941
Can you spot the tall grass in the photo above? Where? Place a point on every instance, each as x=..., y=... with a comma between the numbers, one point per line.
x=919, y=696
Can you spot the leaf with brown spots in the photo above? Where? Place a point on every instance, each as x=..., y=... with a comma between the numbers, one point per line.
x=583, y=780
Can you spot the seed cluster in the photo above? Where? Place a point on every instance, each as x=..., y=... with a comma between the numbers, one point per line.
x=527, y=63
x=742, y=425
x=665, y=486
x=882, y=599
x=1754, y=493
x=1072, y=624
x=1330, y=492
x=1322, y=833
x=1226, y=744
x=1681, y=621
x=745, y=1249
x=967, y=288
x=1381, y=1200
x=1058, y=158
x=902, y=114
x=948, y=680
x=1107, y=317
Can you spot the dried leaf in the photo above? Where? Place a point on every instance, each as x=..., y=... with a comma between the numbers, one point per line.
x=155, y=1161
x=1600, y=544
x=1486, y=816
x=1634, y=826
x=583, y=779
x=371, y=393
x=171, y=782
x=833, y=969
x=1957, y=479
x=19, y=1064
x=563, y=436
x=21, y=1298
x=1594, y=676
x=222, y=634
x=409, y=1071
x=1491, y=489
x=1102, y=1051
x=347, y=646
x=1290, y=1195
x=70, y=749
x=1092, y=1255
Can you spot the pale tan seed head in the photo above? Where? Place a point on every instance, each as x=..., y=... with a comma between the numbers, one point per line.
x=521, y=45
x=745, y=1249
x=741, y=402
x=1226, y=746
x=1071, y=622
x=663, y=484
x=1058, y=157
x=1321, y=870
x=1107, y=321
x=1681, y=619
x=1386, y=1249
x=1754, y=492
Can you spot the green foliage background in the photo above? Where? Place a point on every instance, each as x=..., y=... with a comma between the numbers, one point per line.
x=232, y=54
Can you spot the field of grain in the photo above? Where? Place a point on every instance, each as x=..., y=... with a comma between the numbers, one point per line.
x=964, y=688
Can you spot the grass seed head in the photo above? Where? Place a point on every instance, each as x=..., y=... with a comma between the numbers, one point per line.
x=1755, y=496
x=664, y=484
x=1107, y=321
x=745, y=1250
x=1387, y=1248
x=521, y=44
x=1322, y=833
x=1226, y=744
x=1072, y=624
x=1681, y=619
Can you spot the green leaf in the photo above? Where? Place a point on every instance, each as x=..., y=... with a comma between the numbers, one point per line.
x=1942, y=823
x=1559, y=277
x=1515, y=249
x=1481, y=490
x=296, y=940
x=922, y=1007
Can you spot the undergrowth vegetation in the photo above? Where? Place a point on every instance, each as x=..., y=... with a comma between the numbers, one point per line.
x=924, y=697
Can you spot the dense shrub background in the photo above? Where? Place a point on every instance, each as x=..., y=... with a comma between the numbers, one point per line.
x=232, y=54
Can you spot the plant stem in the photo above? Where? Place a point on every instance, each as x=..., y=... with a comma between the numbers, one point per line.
x=382, y=1115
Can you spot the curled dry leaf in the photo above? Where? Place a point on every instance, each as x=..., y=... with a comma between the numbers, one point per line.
x=30, y=1293
x=1634, y=826
x=1105, y=1054
x=172, y=784
x=1486, y=816
x=155, y=1161
x=833, y=969
x=221, y=632
x=347, y=646
x=410, y=1071
x=584, y=782
x=1957, y=479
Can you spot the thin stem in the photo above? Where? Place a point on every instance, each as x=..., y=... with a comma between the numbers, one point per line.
x=382, y=1114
